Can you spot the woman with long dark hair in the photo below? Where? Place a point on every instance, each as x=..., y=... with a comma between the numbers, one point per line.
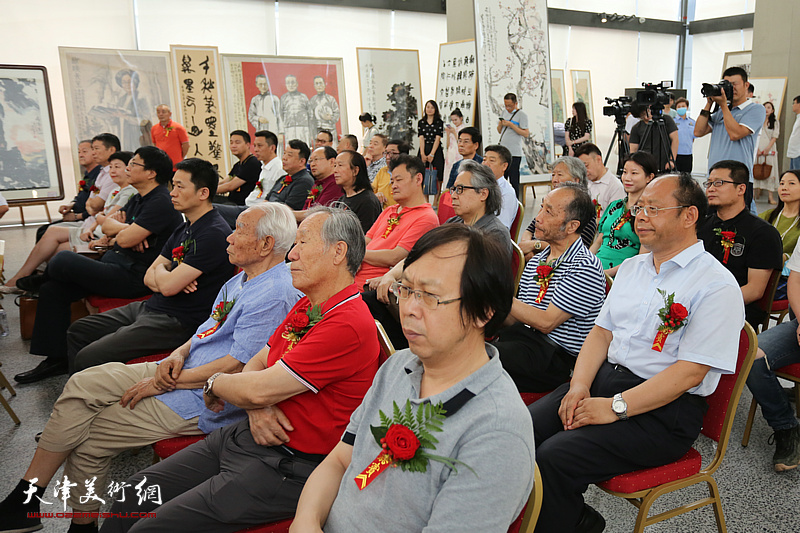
x=767, y=152
x=785, y=217
x=431, y=131
x=579, y=128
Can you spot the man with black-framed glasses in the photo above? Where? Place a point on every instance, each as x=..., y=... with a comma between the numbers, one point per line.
x=749, y=247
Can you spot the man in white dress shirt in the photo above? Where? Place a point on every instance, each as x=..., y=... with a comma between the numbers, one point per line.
x=497, y=157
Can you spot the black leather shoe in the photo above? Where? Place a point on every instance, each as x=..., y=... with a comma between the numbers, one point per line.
x=591, y=521
x=45, y=369
x=31, y=283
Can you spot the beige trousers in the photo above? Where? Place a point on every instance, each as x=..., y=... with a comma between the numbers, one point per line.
x=89, y=421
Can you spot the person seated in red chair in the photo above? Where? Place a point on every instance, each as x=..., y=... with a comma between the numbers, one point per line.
x=669, y=328
x=140, y=230
x=399, y=226
x=114, y=407
x=299, y=393
x=454, y=291
x=560, y=293
x=184, y=279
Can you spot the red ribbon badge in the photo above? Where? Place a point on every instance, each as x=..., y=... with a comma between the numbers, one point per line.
x=381, y=463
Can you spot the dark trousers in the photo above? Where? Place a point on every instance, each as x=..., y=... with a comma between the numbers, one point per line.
x=570, y=460
x=512, y=173
x=122, y=334
x=532, y=359
x=70, y=277
x=683, y=163
x=223, y=483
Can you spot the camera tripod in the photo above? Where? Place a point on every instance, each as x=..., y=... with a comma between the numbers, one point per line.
x=622, y=145
x=663, y=146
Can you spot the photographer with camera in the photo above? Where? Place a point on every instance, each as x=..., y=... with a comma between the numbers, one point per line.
x=735, y=126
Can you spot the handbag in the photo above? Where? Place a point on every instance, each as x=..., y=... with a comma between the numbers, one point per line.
x=430, y=185
x=28, y=303
x=762, y=171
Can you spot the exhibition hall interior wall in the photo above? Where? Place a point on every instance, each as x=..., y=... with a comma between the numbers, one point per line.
x=32, y=31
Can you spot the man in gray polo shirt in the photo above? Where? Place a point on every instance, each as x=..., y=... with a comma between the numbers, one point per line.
x=484, y=434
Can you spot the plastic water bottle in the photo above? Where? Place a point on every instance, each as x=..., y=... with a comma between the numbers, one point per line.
x=3, y=323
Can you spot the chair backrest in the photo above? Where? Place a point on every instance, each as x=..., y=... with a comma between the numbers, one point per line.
x=517, y=264
x=609, y=282
x=445, y=209
x=722, y=403
x=765, y=302
x=387, y=348
x=516, y=225
x=534, y=506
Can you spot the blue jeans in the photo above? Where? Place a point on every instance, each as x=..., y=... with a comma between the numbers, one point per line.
x=781, y=348
x=794, y=163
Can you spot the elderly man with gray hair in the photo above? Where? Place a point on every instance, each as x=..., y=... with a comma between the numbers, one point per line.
x=107, y=409
x=299, y=392
x=566, y=169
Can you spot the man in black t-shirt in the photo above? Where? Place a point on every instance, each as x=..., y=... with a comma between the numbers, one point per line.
x=244, y=175
x=139, y=231
x=185, y=278
x=746, y=245
x=292, y=189
x=654, y=144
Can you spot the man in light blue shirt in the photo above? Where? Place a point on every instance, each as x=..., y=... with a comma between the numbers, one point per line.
x=734, y=131
x=110, y=408
x=683, y=161
x=628, y=370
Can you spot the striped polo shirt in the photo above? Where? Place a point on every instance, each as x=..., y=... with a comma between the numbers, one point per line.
x=578, y=287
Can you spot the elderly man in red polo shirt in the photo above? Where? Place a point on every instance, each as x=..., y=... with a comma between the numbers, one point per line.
x=170, y=136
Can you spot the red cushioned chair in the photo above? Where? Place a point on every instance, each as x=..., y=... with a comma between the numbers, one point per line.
x=155, y=358
x=526, y=521
x=766, y=300
x=104, y=303
x=517, y=264
x=643, y=487
x=445, y=209
x=516, y=224
x=789, y=373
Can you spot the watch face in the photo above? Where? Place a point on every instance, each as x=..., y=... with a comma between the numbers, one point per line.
x=618, y=406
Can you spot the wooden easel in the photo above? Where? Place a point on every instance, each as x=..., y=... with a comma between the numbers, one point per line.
x=30, y=203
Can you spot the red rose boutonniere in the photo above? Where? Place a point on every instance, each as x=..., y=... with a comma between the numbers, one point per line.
x=727, y=240
x=404, y=440
x=393, y=221
x=544, y=273
x=673, y=317
x=94, y=189
x=313, y=194
x=301, y=321
x=179, y=252
x=597, y=208
x=220, y=313
x=260, y=187
x=286, y=181
x=82, y=185
x=167, y=130
x=624, y=219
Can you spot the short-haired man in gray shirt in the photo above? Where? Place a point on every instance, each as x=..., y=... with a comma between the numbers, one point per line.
x=453, y=292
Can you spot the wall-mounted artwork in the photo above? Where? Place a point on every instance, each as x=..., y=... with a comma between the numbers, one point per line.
x=559, y=95
x=582, y=92
x=200, y=109
x=293, y=97
x=115, y=91
x=389, y=84
x=456, y=80
x=770, y=90
x=29, y=165
x=741, y=58
x=513, y=57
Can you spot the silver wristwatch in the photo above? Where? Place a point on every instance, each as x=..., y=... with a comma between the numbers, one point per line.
x=619, y=406
x=210, y=383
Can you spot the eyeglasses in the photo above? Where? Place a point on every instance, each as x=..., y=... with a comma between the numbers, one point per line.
x=426, y=299
x=459, y=189
x=388, y=152
x=651, y=210
x=718, y=183
x=134, y=163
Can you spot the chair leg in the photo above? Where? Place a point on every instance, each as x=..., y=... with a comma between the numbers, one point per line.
x=713, y=490
x=4, y=384
x=47, y=210
x=11, y=412
x=797, y=398
x=751, y=416
x=644, y=511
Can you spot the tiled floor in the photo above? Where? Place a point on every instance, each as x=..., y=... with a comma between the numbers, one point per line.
x=754, y=497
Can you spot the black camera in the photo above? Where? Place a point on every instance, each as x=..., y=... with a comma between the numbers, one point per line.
x=618, y=107
x=718, y=89
x=654, y=94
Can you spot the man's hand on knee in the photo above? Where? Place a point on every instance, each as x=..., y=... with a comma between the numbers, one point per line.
x=141, y=390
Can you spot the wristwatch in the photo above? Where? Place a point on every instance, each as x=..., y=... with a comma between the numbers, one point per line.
x=618, y=405
x=537, y=246
x=210, y=383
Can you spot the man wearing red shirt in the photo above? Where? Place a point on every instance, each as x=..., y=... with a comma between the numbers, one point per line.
x=170, y=136
x=399, y=226
x=299, y=393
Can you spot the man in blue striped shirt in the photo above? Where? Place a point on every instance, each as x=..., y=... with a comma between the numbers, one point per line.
x=560, y=294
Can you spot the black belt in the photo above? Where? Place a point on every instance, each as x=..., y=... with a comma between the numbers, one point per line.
x=291, y=452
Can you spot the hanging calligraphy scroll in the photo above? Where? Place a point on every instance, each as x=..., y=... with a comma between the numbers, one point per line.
x=389, y=83
x=293, y=97
x=513, y=57
x=198, y=78
x=114, y=91
x=456, y=81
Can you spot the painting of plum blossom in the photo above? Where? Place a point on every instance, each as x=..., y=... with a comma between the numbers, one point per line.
x=513, y=57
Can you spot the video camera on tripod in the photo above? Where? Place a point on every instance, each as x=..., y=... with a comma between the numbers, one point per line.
x=655, y=96
x=718, y=89
x=617, y=108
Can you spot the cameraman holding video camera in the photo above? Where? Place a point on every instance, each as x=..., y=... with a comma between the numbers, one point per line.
x=734, y=127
